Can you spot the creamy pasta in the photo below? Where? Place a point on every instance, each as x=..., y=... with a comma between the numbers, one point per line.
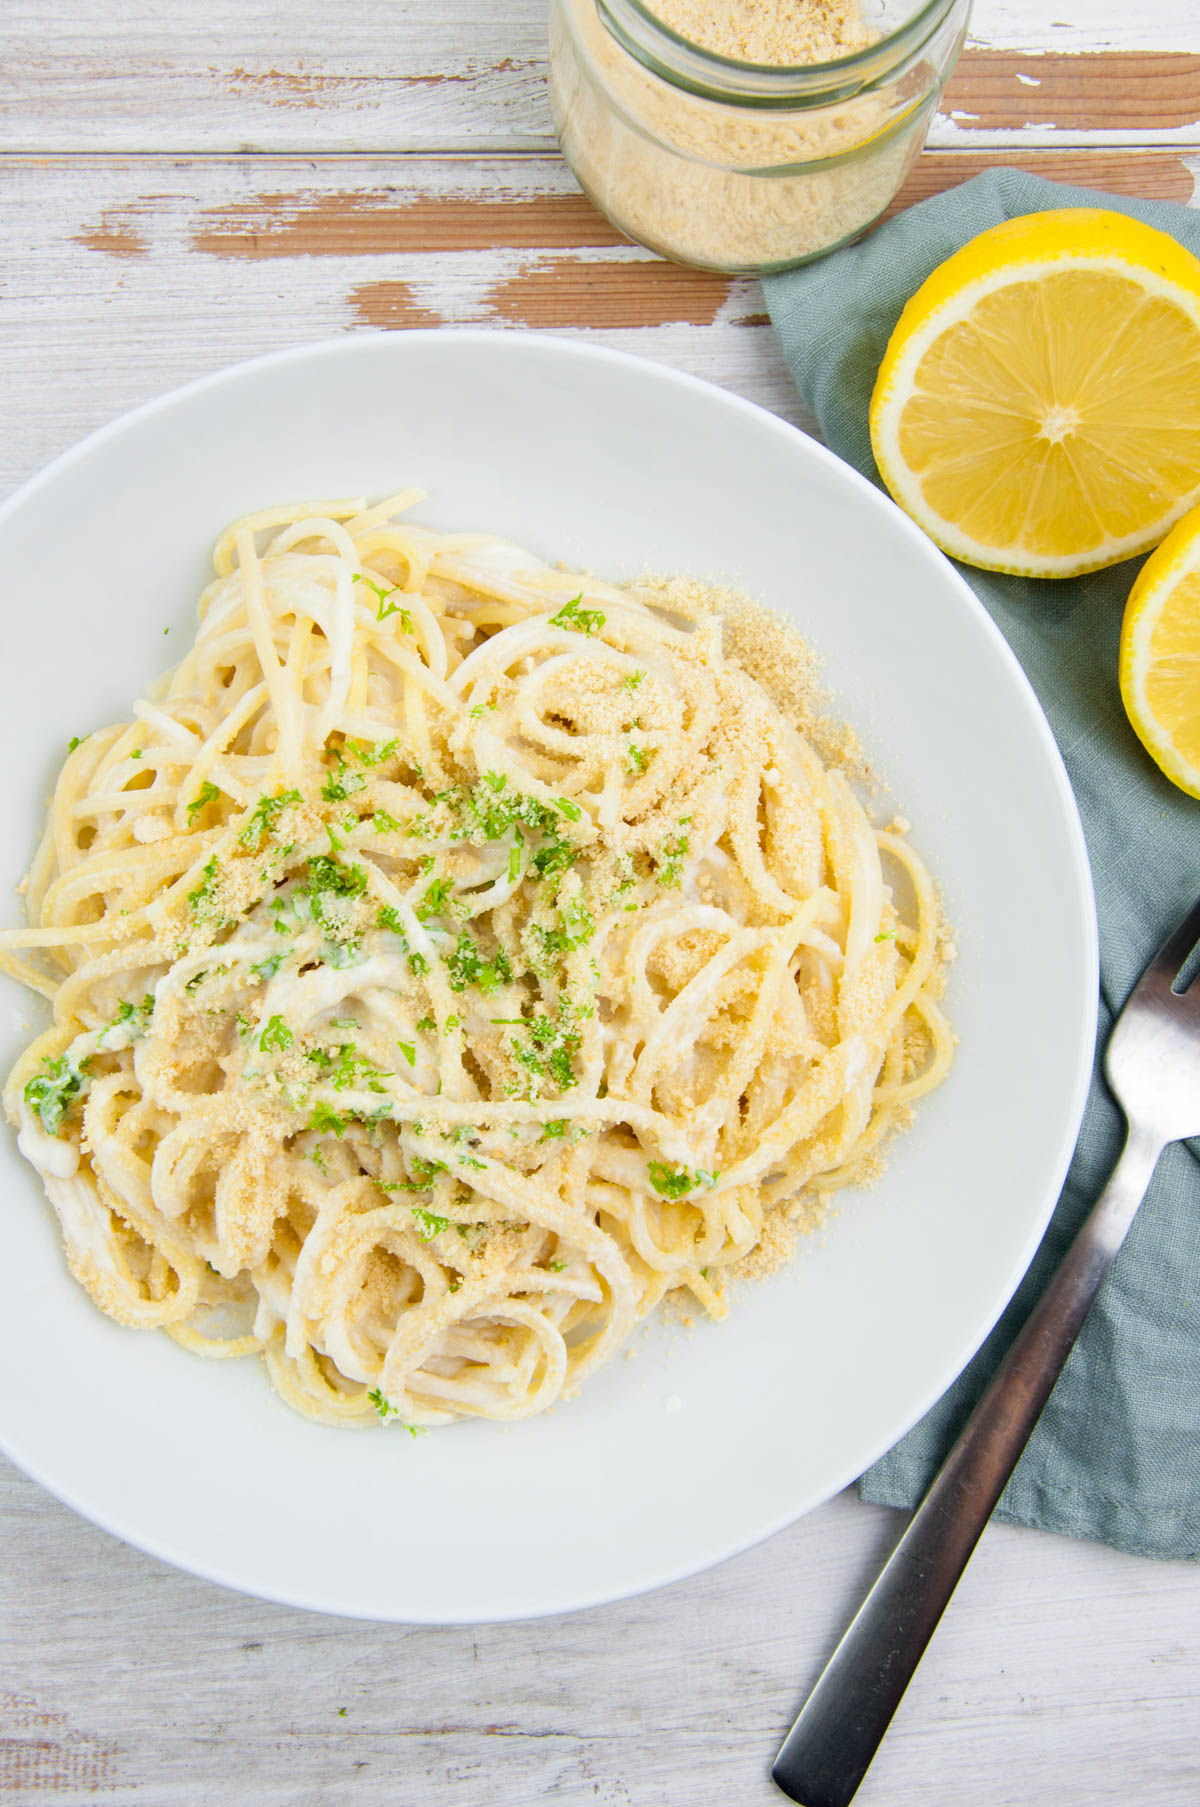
x=450, y=959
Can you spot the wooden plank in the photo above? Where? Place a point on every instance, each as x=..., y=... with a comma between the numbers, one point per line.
x=167, y=75
x=524, y=206
x=163, y=75
x=124, y=276
x=357, y=222
x=1144, y=92
x=1101, y=25
x=1064, y=1673
x=1152, y=175
x=566, y=292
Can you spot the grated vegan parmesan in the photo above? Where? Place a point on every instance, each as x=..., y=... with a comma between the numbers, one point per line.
x=733, y=171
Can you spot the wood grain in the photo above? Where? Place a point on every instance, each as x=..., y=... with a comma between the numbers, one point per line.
x=355, y=222
x=359, y=222
x=83, y=75
x=1063, y=1674
x=1152, y=175
x=403, y=242
x=1104, y=91
x=92, y=322
x=124, y=275
x=561, y=291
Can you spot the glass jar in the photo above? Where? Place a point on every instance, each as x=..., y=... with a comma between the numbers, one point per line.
x=743, y=167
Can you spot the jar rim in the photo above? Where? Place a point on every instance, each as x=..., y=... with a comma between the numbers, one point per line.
x=706, y=73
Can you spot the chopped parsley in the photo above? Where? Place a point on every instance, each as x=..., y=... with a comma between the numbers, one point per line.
x=386, y=606
x=353, y=1069
x=52, y=1093
x=388, y=917
x=373, y=755
x=265, y=815
x=670, y=860
x=553, y=857
x=387, y=1410
x=346, y=1069
x=326, y=1121
x=422, y=1173
x=208, y=793
x=491, y=812
x=677, y=1182
x=327, y=878
x=276, y=1035
x=429, y=1224
x=436, y=898
x=134, y=1018
x=632, y=679
x=467, y=966
x=549, y=1053
x=577, y=926
x=577, y=620
x=409, y=1051
x=886, y=936
x=201, y=899
x=77, y=740
x=342, y=783
x=266, y=969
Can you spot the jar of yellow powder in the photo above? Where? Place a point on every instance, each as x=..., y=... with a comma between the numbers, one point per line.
x=747, y=135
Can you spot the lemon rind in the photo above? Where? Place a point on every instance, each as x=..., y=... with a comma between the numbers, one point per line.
x=1178, y=557
x=894, y=386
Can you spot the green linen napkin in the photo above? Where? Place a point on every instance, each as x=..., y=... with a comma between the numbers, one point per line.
x=1116, y=1455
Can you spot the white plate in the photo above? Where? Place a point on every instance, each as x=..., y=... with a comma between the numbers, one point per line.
x=606, y=461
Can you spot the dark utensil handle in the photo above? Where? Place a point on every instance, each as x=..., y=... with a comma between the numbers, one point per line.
x=841, y=1725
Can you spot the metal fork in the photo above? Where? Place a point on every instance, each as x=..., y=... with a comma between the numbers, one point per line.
x=1152, y=1064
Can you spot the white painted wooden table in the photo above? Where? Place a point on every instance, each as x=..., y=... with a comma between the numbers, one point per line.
x=187, y=182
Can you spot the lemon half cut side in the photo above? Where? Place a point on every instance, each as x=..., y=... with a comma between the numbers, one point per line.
x=1038, y=406
x=1160, y=655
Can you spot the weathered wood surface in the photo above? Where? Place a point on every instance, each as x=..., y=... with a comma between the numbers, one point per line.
x=124, y=275
x=1064, y=1674
x=185, y=185
x=236, y=75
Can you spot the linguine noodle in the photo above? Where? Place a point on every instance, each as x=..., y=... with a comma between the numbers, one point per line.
x=451, y=958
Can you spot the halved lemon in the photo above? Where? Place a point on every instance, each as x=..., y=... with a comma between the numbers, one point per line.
x=1160, y=655
x=1038, y=406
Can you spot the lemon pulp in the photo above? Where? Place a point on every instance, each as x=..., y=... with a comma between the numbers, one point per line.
x=1038, y=407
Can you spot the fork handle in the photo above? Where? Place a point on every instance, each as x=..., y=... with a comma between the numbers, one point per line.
x=841, y=1725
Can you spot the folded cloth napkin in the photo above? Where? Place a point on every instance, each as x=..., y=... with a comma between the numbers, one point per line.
x=1116, y=1455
